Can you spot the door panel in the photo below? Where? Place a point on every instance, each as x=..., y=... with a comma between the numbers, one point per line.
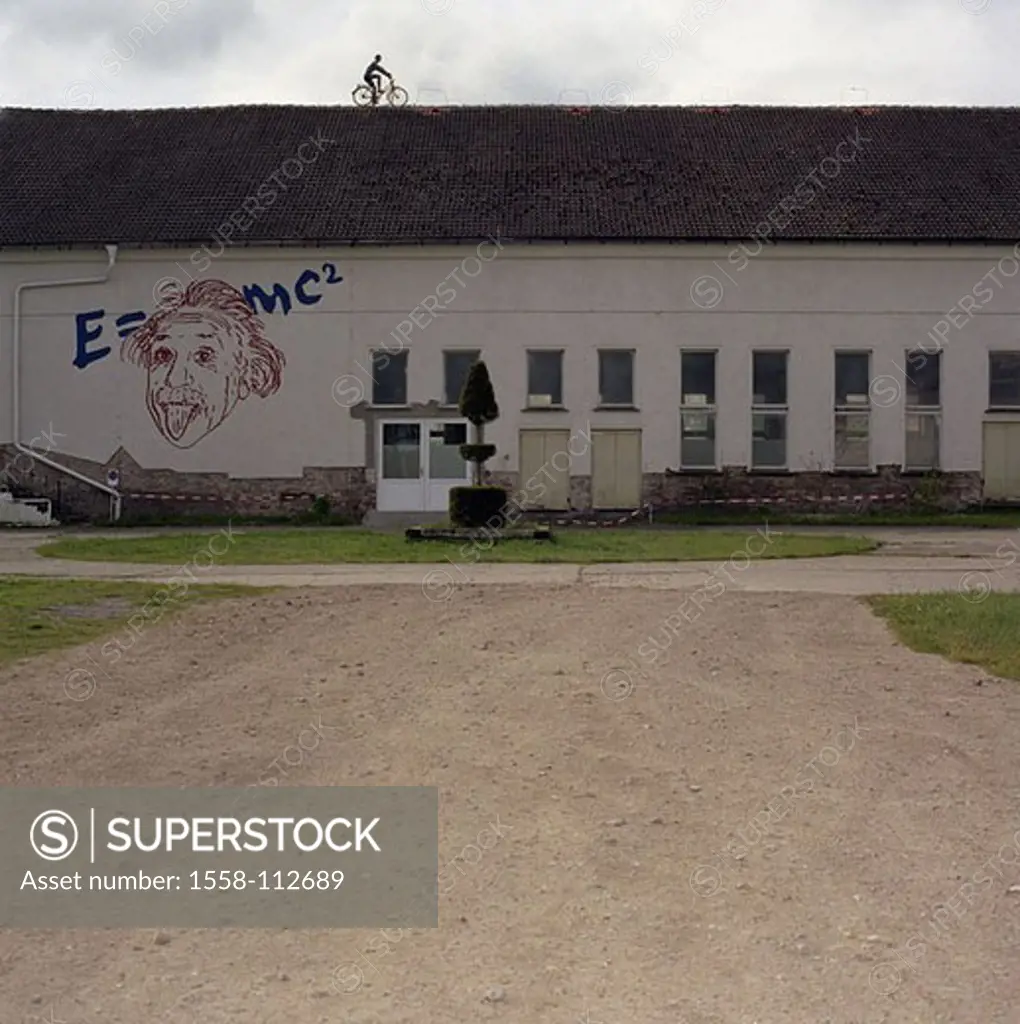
x=616, y=468
x=445, y=467
x=1002, y=461
x=540, y=462
x=401, y=485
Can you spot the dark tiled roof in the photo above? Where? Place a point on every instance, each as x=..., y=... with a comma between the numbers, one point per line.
x=405, y=176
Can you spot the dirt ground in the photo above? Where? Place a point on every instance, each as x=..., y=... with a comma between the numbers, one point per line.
x=638, y=877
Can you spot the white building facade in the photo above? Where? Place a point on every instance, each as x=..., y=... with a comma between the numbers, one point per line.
x=626, y=374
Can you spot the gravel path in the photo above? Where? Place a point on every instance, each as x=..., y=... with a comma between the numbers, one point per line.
x=785, y=818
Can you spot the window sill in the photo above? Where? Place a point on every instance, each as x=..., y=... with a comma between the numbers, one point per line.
x=695, y=471
x=1003, y=410
x=383, y=408
x=545, y=408
x=616, y=408
x=770, y=471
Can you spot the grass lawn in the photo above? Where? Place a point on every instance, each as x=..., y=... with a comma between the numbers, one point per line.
x=41, y=615
x=985, y=633
x=331, y=546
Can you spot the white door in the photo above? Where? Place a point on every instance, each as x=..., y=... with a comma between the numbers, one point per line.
x=444, y=466
x=419, y=461
x=401, y=479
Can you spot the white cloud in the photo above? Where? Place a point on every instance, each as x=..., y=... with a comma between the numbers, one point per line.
x=506, y=51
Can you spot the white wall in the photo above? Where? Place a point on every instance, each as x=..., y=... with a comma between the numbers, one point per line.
x=810, y=299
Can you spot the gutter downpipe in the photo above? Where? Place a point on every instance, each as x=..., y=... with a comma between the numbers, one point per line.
x=111, y=253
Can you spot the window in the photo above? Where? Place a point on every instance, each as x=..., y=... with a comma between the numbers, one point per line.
x=445, y=460
x=401, y=451
x=616, y=377
x=455, y=370
x=389, y=378
x=1004, y=380
x=852, y=417
x=697, y=410
x=923, y=379
x=768, y=410
x=923, y=413
x=545, y=378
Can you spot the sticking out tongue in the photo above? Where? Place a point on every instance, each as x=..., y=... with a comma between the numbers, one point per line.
x=179, y=417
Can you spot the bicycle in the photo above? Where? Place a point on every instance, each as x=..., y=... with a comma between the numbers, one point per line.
x=395, y=95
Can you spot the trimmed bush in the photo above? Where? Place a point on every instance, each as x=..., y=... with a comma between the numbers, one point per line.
x=478, y=506
x=477, y=399
x=478, y=406
x=477, y=452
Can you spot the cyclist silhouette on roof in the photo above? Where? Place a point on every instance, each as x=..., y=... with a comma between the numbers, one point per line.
x=374, y=75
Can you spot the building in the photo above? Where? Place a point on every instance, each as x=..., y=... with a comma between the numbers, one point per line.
x=240, y=309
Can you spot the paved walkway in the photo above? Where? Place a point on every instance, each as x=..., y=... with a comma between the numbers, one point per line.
x=973, y=562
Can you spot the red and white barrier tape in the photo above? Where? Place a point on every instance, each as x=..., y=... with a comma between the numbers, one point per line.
x=854, y=498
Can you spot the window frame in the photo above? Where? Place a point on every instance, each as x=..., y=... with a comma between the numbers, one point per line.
x=998, y=407
x=844, y=410
x=631, y=403
x=448, y=401
x=402, y=355
x=708, y=409
x=774, y=409
x=910, y=354
x=915, y=410
x=528, y=353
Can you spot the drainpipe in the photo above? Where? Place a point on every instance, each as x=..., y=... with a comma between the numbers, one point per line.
x=111, y=253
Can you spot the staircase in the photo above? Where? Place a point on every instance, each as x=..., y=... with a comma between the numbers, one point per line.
x=25, y=511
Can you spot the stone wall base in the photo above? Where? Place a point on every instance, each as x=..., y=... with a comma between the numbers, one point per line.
x=149, y=493
x=888, y=488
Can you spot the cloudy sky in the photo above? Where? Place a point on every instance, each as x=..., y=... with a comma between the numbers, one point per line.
x=155, y=53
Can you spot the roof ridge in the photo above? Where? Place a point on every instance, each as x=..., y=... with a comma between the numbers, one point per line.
x=469, y=107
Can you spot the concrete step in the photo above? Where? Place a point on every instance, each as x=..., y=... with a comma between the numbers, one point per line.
x=400, y=521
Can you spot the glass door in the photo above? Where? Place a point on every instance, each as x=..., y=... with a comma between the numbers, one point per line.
x=401, y=479
x=445, y=468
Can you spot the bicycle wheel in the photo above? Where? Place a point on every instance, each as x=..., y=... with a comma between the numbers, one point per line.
x=398, y=96
x=362, y=96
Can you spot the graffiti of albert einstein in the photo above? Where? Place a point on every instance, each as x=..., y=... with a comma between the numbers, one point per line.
x=204, y=350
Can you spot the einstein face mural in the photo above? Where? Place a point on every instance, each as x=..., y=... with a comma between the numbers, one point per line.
x=204, y=350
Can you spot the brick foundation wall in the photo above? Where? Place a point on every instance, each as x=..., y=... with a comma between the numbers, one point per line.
x=166, y=492
x=351, y=490
x=887, y=488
